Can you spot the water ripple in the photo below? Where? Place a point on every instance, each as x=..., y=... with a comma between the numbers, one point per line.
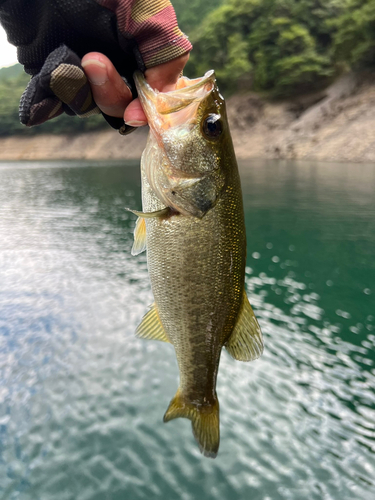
x=82, y=400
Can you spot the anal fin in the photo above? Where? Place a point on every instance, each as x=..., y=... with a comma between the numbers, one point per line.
x=246, y=341
x=151, y=327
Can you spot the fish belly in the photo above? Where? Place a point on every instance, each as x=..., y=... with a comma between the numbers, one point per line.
x=196, y=281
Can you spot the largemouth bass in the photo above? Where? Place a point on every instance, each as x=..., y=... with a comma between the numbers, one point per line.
x=193, y=226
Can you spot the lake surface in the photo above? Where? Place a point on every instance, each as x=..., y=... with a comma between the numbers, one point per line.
x=82, y=399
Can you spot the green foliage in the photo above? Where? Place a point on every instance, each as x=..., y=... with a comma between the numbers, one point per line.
x=237, y=66
x=286, y=57
x=283, y=46
x=213, y=40
x=12, y=84
x=315, y=16
x=354, y=39
x=191, y=13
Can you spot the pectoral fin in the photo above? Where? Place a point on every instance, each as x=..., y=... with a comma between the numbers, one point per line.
x=140, y=228
x=246, y=341
x=151, y=327
x=139, y=244
x=150, y=215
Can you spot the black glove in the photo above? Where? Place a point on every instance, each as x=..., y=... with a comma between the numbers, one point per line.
x=61, y=86
x=52, y=36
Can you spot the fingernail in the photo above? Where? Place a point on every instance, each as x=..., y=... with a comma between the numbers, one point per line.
x=136, y=123
x=97, y=76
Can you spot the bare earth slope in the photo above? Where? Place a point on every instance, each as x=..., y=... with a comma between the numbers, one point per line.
x=337, y=124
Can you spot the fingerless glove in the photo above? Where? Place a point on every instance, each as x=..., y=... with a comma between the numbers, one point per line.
x=53, y=35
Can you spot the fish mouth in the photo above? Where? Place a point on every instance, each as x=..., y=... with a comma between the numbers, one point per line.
x=166, y=109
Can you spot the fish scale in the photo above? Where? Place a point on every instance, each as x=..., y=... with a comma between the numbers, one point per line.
x=196, y=247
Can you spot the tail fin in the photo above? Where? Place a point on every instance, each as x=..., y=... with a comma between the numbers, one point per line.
x=204, y=421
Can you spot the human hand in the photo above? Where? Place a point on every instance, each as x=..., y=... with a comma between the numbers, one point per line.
x=113, y=96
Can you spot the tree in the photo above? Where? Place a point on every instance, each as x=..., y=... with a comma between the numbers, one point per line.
x=276, y=42
x=190, y=14
x=354, y=39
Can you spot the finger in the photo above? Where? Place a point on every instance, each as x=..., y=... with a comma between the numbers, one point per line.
x=163, y=78
x=109, y=90
x=134, y=114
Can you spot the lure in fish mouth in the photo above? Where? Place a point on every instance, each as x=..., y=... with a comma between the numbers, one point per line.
x=192, y=225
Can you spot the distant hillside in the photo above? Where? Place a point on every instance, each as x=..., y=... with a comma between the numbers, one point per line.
x=277, y=48
x=11, y=72
x=336, y=124
x=13, y=81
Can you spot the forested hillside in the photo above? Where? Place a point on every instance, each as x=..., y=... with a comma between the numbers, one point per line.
x=276, y=47
x=284, y=46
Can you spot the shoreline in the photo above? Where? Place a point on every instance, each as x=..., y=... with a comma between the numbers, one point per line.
x=335, y=125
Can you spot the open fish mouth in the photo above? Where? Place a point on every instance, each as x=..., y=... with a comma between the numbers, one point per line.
x=183, y=153
x=179, y=106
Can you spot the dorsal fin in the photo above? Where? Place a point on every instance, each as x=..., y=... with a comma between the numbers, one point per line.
x=246, y=341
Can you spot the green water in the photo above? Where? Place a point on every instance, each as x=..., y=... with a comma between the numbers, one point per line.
x=82, y=400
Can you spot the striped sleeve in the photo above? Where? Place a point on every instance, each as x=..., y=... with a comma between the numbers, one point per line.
x=153, y=24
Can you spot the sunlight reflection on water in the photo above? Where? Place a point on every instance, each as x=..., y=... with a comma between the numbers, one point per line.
x=81, y=399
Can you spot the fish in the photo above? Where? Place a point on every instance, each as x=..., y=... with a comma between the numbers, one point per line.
x=192, y=225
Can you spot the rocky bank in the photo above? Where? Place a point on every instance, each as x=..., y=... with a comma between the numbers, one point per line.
x=337, y=124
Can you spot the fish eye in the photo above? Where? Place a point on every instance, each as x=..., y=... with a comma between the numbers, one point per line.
x=212, y=126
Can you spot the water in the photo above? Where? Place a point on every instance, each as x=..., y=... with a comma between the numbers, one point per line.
x=82, y=400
